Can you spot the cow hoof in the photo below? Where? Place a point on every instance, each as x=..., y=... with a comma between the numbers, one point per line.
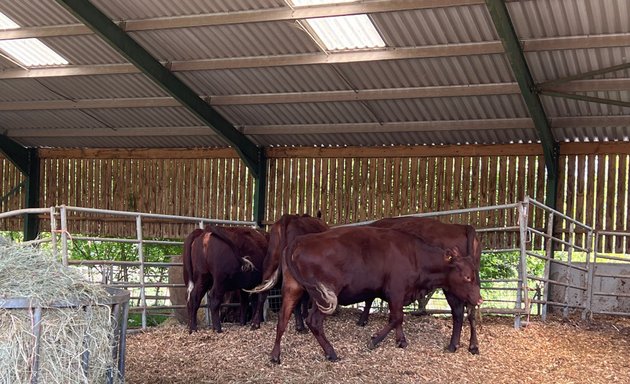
x=255, y=327
x=402, y=344
x=275, y=360
x=451, y=349
x=301, y=330
x=362, y=323
x=474, y=350
x=371, y=344
x=332, y=358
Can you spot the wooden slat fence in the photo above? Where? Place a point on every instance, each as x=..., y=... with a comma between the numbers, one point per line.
x=347, y=185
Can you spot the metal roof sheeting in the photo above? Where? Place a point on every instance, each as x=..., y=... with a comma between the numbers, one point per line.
x=327, y=122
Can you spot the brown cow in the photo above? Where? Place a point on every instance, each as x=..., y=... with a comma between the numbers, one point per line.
x=344, y=266
x=282, y=233
x=224, y=258
x=444, y=235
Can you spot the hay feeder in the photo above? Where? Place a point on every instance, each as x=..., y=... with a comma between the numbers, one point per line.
x=64, y=340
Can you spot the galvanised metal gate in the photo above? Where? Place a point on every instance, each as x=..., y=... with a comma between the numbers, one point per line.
x=547, y=258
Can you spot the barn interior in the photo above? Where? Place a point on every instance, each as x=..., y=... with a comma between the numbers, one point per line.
x=241, y=111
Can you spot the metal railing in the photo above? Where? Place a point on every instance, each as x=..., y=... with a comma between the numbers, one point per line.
x=543, y=241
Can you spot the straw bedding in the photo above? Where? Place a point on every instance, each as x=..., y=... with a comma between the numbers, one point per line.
x=550, y=352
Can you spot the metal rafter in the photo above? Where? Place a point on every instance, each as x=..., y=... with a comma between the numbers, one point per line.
x=252, y=155
x=510, y=88
x=402, y=53
x=137, y=55
x=505, y=29
x=241, y=17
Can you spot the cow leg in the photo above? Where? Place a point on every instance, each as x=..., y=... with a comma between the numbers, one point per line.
x=315, y=322
x=395, y=322
x=216, y=298
x=300, y=312
x=474, y=344
x=257, y=317
x=363, y=319
x=457, y=312
x=194, y=301
x=243, y=307
x=291, y=294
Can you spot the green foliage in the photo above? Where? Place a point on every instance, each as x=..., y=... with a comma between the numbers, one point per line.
x=499, y=265
x=135, y=320
x=104, y=250
x=504, y=265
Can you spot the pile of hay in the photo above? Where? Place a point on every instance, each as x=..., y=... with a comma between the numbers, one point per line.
x=75, y=332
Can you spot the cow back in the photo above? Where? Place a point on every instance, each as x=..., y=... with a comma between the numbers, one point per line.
x=283, y=232
x=437, y=233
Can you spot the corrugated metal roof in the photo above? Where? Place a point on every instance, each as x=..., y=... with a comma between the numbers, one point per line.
x=551, y=18
x=445, y=28
x=436, y=26
x=143, y=9
x=258, y=39
x=36, y=13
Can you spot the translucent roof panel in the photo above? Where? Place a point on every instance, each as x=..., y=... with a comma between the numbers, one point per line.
x=28, y=52
x=346, y=32
x=342, y=32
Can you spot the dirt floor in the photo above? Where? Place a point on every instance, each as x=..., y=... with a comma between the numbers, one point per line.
x=550, y=352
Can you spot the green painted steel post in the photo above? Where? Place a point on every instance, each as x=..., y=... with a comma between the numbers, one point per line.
x=505, y=29
x=27, y=161
x=31, y=220
x=260, y=192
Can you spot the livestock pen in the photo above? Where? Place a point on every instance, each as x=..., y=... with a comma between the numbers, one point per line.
x=538, y=351
x=528, y=251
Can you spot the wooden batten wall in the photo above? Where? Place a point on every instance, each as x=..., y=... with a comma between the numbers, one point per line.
x=346, y=184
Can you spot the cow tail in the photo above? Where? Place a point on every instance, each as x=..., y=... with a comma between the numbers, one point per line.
x=187, y=261
x=326, y=296
x=244, y=262
x=323, y=296
x=267, y=284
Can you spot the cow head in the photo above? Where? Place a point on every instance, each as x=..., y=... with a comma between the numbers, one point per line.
x=461, y=277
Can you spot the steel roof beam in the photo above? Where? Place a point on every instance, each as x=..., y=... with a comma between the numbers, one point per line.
x=297, y=129
x=240, y=17
x=136, y=54
x=586, y=98
x=403, y=53
x=505, y=29
x=317, y=97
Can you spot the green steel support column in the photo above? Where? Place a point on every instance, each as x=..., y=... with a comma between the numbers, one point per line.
x=505, y=29
x=92, y=17
x=260, y=193
x=27, y=161
x=31, y=221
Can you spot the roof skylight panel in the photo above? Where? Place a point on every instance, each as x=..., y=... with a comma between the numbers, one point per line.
x=28, y=52
x=342, y=32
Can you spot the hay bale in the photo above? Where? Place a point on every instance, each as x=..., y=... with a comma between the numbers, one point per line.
x=55, y=327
